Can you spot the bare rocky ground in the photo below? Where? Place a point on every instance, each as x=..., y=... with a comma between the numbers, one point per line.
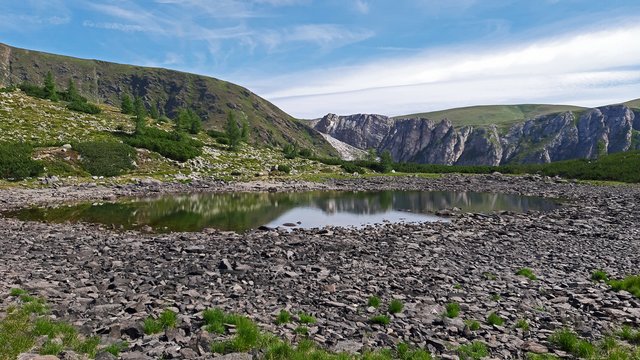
x=108, y=282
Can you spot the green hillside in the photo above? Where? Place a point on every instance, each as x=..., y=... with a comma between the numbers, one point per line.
x=166, y=90
x=633, y=104
x=500, y=115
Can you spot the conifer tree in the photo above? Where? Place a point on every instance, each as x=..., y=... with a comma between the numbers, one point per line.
x=126, y=106
x=50, y=87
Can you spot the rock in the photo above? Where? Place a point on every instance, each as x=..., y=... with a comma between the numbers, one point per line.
x=105, y=356
x=36, y=357
x=133, y=330
x=530, y=346
x=235, y=356
x=136, y=355
x=349, y=347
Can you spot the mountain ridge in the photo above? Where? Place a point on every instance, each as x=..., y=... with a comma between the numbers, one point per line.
x=167, y=90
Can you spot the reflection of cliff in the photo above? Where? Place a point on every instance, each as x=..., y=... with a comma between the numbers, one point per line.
x=242, y=211
x=427, y=202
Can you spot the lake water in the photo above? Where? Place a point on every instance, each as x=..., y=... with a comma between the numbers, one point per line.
x=245, y=211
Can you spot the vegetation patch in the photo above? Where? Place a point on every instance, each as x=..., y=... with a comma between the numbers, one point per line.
x=474, y=351
x=381, y=320
x=374, y=302
x=494, y=319
x=599, y=275
x=167, y=320
x=473, y=325
x=28, y=321
x=284, y=317
x=630, y=283
x=452, y=310
x=395, y=306
x=106, y=158
x=173, y=145
x=526, y=272
x=16, y=162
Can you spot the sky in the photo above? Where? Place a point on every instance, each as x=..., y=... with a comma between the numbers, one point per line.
x=392, y=57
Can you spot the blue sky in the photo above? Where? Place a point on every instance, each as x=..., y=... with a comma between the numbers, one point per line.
x=311, y=57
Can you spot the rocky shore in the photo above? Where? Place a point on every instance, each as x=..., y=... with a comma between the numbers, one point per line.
x=108, y=282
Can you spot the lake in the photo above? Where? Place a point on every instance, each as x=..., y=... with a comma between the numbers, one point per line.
x=244, y=211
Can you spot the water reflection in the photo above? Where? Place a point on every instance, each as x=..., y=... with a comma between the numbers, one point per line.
x=244, y=211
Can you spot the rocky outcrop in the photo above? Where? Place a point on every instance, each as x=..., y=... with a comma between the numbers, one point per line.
x=548, y=138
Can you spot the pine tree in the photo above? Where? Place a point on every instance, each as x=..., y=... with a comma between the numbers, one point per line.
x=50, y=87
x=232, y=131
x=126, y=106
x=141, y=115
x=72, y=92
x=245, y=131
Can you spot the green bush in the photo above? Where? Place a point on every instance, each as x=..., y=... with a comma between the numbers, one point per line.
x=526, y=272
x=374, y=301
x=380, y=320
x=176, y=146
x=284, y=168
x=106, y=158
x=599, y=275
x=494, y=319
x=83, y=106
x=284, y=317
x=16, y=162
x=351, y=168
x=453, y=310
x=395, y=307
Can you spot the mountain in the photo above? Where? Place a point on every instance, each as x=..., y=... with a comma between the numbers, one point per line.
x=499, y=115
x=168, y=90
x=576, y=133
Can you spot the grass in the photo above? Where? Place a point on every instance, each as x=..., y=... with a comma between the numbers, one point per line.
x=301, y=330
x=381, y=320
x=395, y=307
x=522, y=324
x=167, y=320
x=374, y=302
x=284, y=317
x=28, y=321
x=474, y=351
x=473, y=325
x=494, y=319
x=526, y=272
x=17, y=292
x=630, y=283
x=567, y=340
x=627, y=333
x=599, y=275
x=452, y=310
x=115, y=348
x=306, y=318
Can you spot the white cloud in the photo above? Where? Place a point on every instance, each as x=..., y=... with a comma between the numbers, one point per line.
x=594, y=66
x=362, y=6
x=323, y=35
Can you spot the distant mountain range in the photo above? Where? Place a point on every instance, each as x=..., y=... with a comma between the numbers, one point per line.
x=167, y=90
x=491, y=135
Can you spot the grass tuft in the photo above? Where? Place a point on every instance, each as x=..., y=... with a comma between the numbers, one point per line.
x=284, y=317
x=395, y=307
x=522, y=324
x=374, y=302
x=630, y=283
x=306, y=318
x=473, y=325
x=494, y=319
x=599, y=275
x=381, y=320
x=17, y=292
x=526, y=272
x=474, y=351
x=452, y=310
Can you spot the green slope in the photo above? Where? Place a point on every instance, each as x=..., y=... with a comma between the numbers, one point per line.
x=168, y=90
x=500, y=115
x=633, y=103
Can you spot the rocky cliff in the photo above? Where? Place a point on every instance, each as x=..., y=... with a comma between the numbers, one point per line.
x=166, y=90
x=554, y=137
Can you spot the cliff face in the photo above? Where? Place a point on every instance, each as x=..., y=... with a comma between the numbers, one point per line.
x=167, y=90
x=554, y=137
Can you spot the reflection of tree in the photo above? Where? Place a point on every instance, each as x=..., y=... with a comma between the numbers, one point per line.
x=242, y=211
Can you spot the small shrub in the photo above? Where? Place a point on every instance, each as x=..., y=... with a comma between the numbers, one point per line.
x=452, y=310
x=599, y=275
x=522, y=324
x=473, y=325
x=283, y=317
x=352, y=168
x=101, y=158
x=374, y=302
x=284, y=168
x=85, y=107
x=168, y=319
x=526, y=272
x=494, y=319
x=151, y=326
x=306, y=318
x=396, y=306
x=381, y=320
x=16, y=162
x=175, y=145
x=474, y=351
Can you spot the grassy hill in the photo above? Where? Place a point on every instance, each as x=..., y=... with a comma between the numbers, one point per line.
x=501, y=115
x=47, y=126
x=166, y=90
